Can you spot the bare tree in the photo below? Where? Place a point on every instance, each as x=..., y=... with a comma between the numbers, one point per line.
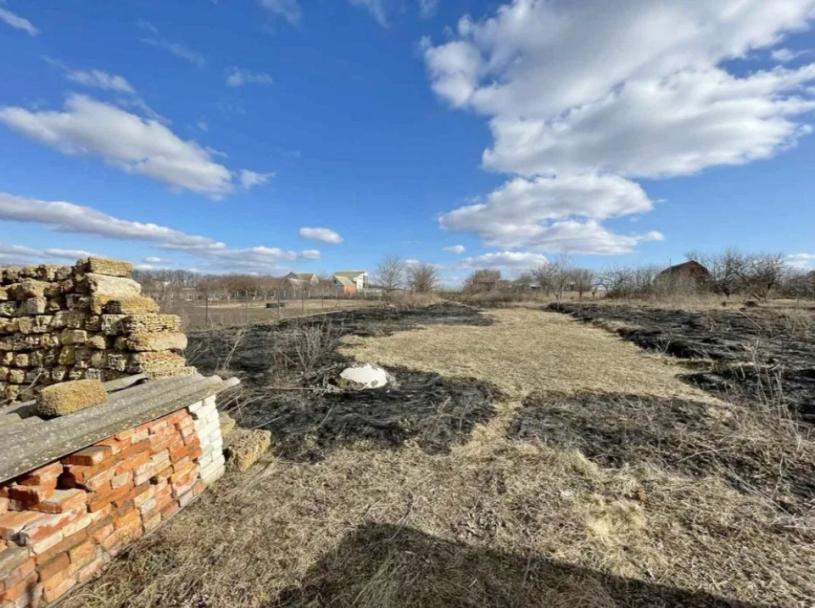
x=582, y=281
x=390, y=273
x=555, y=276
x=422, y=278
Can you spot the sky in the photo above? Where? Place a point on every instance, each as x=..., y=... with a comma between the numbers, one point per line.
x=263, y=136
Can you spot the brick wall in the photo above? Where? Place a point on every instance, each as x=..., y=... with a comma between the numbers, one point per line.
x=89, y=320
x=61, y=523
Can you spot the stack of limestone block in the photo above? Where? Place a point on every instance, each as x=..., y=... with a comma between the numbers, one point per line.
x=63, y=522
x=89, y=320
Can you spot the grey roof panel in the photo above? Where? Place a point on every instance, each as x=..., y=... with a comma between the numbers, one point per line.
x=27, y=443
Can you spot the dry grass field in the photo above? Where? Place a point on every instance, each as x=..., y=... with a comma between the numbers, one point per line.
x=601, y=479
x=225, y=314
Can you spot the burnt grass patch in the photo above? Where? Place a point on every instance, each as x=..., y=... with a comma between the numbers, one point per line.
x=754, y=355
x=424, y=408
x=289, y=372
x=689, y=437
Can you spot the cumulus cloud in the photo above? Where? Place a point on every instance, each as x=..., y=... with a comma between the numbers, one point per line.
x=288, y=9
x=456, y=249
x=505, y=260
x=134, y=144
x=553, y=213
x=593, y=91
x=376, y=8
x=326, y=235
x=310, y=254
x=62, y=216
x=238, y=77
x=17, y=22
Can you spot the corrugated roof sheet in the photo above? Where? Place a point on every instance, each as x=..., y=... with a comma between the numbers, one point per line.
x=28, y=442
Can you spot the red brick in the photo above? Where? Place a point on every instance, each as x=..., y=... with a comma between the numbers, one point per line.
x=128, y=519
x=132, y=462
x=90, y=570
x=40, y=532
x=100, y=533
x=30, y=495
x=54, y=566
x=171, y=509
x=141, y=446
x=13, y=522
x=124, y=435
x=22, y=588
x=114, y=444
x=91, y=456
x=66, y=544
x=151, y=521
x=21, y=572
x=82, y=553
x=42, y=475
x=122, y=480
x=143, y=493
x=61, y=501
x=96, y=502
x=58, y=586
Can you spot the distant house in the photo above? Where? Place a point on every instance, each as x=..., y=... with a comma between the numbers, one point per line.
x=691, y=271
x=357, y=278
x=348, y=286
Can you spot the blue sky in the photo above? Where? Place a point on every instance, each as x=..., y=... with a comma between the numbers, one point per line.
x=263, y=136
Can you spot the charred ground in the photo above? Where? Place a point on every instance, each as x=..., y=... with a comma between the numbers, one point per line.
x=750, y=355
x=289, y=371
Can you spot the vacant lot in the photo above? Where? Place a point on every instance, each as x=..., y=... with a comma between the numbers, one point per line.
x=523, y=459
x=196, y=315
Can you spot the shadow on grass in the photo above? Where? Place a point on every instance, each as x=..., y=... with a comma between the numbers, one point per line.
x=694, y=438
x=389, y=566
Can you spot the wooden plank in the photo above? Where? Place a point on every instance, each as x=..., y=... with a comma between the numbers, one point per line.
x=52, y=439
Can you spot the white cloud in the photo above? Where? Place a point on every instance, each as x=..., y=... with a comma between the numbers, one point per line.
x=101, y=80
x=22, y=255
x=68, y=217
x=127, y=141
x=553, y=213
x=506, y=260
x=250, y=179
x=428, y=8
x=238, y=77
x=456, y=249
x=17, y=22
x=310, y=254
x=154, y=260
x=784, y=55
x=801, y=261
x=376, y=8
x=326, y=235
x=288, y=9
x=179, y=50
x=581, y=91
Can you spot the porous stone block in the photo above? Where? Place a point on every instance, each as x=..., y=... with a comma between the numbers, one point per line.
x=66, y=397
x=115, y=268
